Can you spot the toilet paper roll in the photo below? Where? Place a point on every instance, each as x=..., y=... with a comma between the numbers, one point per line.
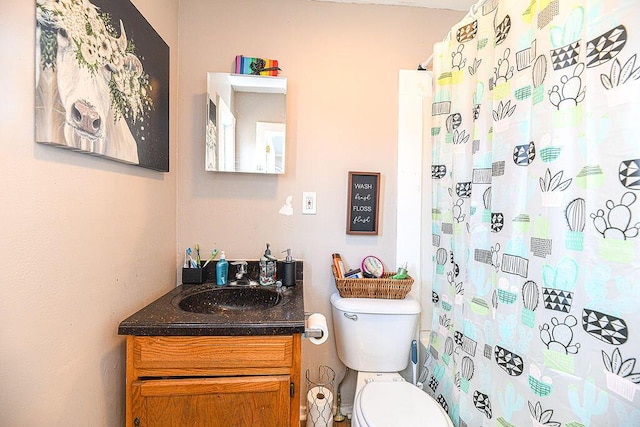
x=318, y=321
x=319, y=407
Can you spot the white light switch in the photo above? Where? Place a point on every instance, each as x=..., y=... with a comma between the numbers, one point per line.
x=309, y=203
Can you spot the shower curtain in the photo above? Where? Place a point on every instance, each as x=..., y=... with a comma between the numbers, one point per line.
x=536, y=176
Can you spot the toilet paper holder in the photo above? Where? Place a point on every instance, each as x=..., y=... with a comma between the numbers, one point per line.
x=311, y=332
x=320, y=397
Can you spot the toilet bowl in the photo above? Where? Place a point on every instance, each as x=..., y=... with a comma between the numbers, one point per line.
x=386, y=400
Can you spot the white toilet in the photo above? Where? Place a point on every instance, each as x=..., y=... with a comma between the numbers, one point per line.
x=373, y=337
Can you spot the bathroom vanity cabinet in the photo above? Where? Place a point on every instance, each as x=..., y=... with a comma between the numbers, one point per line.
x=213, y=380
x=228, y=366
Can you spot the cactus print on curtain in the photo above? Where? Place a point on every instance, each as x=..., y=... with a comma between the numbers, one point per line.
x=536, y=179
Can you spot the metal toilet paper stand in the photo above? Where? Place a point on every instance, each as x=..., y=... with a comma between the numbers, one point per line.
x=320, y=397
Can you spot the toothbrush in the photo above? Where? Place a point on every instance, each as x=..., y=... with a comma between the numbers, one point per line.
x=213, y=255
x=198, y=255
x=188, y=260
x=414, y=360
x=187, y=257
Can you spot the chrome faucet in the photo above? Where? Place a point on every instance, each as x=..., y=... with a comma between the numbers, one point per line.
x=242, y=276
x=241, y=269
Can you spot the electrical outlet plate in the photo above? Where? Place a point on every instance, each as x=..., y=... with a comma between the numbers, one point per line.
x=309, y=203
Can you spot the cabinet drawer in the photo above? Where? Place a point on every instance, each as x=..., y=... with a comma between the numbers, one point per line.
x=212, y=402
x=212, y=352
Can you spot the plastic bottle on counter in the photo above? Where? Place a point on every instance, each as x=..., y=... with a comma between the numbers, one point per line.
x=267, y=268
x=288, y=270
x=222, y=270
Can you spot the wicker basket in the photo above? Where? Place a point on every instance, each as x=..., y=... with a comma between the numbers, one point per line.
x=384, y=287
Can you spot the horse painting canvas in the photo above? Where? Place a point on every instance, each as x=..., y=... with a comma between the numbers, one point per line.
x=102, y=81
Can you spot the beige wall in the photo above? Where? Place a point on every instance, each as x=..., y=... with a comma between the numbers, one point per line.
x=85, y=242
x=342, y=63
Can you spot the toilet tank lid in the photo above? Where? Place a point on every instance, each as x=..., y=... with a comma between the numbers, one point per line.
x=408, y=305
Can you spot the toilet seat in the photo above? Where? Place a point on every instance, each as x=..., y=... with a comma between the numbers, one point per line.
x=397, y=403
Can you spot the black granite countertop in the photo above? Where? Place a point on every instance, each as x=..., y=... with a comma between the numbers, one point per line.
x=165, y=317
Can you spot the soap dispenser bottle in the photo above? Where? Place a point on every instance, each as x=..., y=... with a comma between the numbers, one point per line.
x=288, y=270
x=267, y=268
x=222, y=270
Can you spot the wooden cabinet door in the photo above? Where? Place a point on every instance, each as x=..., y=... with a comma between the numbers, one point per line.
x=212, y=402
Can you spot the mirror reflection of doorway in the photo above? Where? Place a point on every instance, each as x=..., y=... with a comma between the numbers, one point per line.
x=270, y=147
x=227, y=138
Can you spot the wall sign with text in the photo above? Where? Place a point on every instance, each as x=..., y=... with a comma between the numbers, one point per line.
x=363, y=202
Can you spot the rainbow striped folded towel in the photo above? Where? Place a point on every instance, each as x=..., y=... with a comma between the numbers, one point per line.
x=256, y=66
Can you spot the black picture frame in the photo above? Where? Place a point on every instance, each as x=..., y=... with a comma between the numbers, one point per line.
x=363, y=203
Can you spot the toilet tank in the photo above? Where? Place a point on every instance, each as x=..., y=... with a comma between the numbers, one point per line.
x=374, y=335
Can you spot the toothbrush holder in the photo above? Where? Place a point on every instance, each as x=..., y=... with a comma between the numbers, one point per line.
x=193, y=275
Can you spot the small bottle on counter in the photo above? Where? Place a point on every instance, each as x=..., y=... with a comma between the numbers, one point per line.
x=288, y=270
x=267, y=268
x=222, y=270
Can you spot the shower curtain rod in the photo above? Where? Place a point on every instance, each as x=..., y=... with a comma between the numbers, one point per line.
x=471, y=14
